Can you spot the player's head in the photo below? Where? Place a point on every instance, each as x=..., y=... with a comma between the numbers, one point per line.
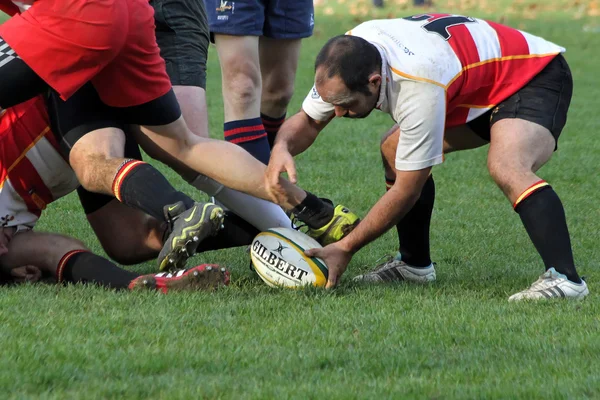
x=348, y=75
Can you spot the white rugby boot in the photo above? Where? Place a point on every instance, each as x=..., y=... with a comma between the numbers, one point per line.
x=393, y=269
x=552, y=285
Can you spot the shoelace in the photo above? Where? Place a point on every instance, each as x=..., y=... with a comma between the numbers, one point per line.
x=379, y=265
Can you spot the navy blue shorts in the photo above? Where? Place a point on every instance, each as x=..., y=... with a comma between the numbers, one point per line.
x=277, y=19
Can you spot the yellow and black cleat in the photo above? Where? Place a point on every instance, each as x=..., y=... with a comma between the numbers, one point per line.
x=342, y=223
x=188, y=228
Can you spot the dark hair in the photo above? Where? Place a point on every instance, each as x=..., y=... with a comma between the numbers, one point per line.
x=352, y=58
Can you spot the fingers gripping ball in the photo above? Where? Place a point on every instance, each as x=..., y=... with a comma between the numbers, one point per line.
x=278, y=258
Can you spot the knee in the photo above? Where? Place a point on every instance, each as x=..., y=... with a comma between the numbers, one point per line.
x=502, y=173
x=143, y=245
x=85, y=172
x=277, y=96
x=241, y=78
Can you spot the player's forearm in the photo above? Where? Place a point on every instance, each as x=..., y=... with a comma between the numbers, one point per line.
x=298, y=133
x=385, y=214
x=389, y=210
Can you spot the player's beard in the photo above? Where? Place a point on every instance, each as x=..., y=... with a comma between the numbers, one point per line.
x=368, y=112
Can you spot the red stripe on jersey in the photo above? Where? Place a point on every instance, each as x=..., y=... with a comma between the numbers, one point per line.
x=30, y=186
x=512, y=42
x=460, y=40
x=505, y=77
x=21, y=127
x=463, y=45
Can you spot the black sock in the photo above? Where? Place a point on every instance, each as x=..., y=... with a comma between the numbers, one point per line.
x=141, y=186
x=272, y=126
x=236, y=232
x=313, y=211
x=544, y=218
x=413, y=229
x=85, y=267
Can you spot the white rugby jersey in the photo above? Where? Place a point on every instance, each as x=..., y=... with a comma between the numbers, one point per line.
x=32, y=171
x=440, y=71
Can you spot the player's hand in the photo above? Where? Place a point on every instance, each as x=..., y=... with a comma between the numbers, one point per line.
x=281, y=161
x=336, y=259
x=27, y=273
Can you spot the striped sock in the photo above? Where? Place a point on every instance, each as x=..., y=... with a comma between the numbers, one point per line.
x=251, y=136
x=272, y=126
x=543, y=216
x=141, y=186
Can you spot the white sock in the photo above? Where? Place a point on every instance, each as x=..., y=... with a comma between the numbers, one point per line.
x=260, y=213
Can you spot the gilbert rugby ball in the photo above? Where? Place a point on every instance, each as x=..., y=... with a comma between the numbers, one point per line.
x=278, y=258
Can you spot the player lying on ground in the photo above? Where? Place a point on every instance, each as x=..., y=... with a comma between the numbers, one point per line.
x=33, y=174
x=26, y=255
x=128, y=84
x=451, y=83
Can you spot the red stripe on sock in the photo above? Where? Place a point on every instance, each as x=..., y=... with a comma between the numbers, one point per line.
x=388, y=184
x=63, y=261
x=244, y=129
x=248, y=138
x=529, y=191
x=121, y=174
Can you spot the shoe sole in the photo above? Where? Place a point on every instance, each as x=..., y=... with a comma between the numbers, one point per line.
x=144, y=283
x=209, y=278
x=184, y=245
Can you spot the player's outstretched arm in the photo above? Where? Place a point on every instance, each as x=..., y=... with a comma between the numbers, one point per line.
x=386, y=213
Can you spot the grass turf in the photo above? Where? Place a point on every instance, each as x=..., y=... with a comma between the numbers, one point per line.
x=457, y=338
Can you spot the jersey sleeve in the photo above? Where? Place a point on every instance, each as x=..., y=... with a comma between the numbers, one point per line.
x=315, y=107
x=421, y=115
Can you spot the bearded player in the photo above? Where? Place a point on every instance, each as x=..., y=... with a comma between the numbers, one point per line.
x=450, y=83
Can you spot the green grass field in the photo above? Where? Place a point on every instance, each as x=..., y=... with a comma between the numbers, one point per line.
x=457, y=338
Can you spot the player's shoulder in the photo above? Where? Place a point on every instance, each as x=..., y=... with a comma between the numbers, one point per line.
x=410, y=52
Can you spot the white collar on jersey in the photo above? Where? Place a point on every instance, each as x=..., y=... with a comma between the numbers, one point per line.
x=382, y=103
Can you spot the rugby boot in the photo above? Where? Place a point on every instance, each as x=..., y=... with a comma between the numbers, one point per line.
x=393, y=269
x=186, y=229
x=202, y=277
x=552, y=285
x=342, y=223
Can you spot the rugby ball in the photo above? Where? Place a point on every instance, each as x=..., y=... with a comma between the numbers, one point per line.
x=278, y=258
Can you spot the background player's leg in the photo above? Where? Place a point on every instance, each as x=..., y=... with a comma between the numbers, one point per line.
x=278, y=65
x=242, y=86
x=183, y=38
